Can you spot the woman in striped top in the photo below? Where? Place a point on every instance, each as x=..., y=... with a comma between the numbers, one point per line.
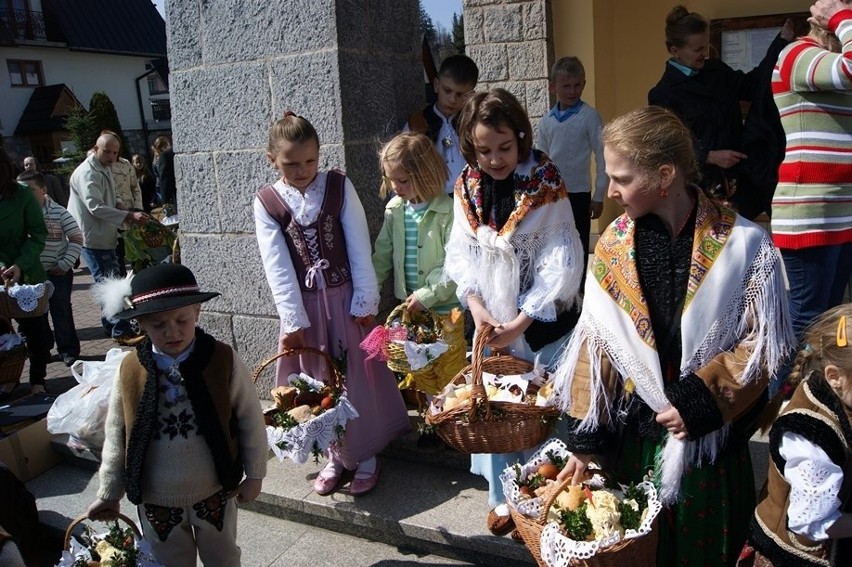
x=411, y=244
x=812, y=206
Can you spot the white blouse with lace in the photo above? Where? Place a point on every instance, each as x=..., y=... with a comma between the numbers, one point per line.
x=533, y=265
x=814, y=487
x=278, y=265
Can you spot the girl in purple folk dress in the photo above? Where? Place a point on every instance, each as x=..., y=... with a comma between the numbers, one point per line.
x=315, y=246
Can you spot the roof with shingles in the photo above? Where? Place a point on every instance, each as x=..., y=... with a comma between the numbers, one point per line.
x=128, y=27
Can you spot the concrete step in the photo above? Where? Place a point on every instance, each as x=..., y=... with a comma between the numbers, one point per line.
x=440, y=510
x=426, y=501
x=65, y=491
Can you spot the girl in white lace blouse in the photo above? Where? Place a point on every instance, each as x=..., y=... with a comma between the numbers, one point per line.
x=513, y=250
x=805, y=517
x=315, y=245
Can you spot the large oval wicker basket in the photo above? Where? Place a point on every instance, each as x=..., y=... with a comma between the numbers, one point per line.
x=483, y=426
x=636, y=551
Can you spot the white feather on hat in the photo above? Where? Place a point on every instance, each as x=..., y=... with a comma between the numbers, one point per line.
x=113, y=294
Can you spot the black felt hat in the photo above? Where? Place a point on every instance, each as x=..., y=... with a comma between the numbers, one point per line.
x=160, y=288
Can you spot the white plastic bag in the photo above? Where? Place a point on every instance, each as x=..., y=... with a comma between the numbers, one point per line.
x=81, y=411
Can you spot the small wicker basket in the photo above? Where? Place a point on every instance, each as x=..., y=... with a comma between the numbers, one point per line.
x=426, y=319
x=10, y=309
x=318, y=433
x=11, y=361
x=492, y=427
x=80, y=519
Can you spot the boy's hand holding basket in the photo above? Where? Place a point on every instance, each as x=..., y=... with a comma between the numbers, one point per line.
x=590, y=525
x=309, y=415
x=497, y=404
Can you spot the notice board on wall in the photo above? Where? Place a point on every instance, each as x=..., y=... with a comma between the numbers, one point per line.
x=742, y=42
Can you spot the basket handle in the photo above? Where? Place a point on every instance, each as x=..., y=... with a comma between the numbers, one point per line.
x=406, y=317
x=478, y=394
x=83, y=517
x=338, y=379
x=550, y=498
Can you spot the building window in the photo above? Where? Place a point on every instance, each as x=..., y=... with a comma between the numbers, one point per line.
x=161, y=109
x=25, y=73
x=156, y=85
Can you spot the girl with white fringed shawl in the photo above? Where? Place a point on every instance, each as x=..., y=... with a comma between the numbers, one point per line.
x=513, y=250
x=684, y=321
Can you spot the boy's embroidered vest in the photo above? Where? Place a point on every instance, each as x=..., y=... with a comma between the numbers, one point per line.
x=207, y=378
x=428, y=122
x=321, y=241
x=814, y=412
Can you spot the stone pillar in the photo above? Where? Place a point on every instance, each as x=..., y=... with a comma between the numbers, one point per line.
x=351, y=68
x=511, y=42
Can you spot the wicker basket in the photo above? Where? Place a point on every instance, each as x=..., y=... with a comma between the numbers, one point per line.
x=426, y=318
x=318, y=433
x=636, y=551
x=10, y=309
x=11, y=361
x=78, y=520
x=432, y=378
x=492, y=427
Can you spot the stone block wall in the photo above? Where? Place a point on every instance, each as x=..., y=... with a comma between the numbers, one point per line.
x=351, y=68
x=511, y=42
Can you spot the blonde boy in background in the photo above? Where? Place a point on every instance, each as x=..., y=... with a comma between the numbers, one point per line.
x=568, y=134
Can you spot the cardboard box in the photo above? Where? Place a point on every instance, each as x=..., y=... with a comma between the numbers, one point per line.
x=24, y=411
x=27, y=451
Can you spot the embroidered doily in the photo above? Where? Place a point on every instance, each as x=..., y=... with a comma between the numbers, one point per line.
x=27, y=296
x=299, y=442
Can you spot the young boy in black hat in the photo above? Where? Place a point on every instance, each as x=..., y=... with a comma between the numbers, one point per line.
x=184, y=424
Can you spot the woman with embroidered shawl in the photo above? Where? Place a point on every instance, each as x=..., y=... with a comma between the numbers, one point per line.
x=684, y=320
x=513, y=250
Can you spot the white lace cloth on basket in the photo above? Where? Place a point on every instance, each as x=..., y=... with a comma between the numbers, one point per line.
x=558, y=550
x=27, y=296
x=530, y=507
x=421, y=355
x=297, y=443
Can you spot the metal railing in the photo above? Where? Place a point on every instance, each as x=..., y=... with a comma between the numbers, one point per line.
x=24, y=24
